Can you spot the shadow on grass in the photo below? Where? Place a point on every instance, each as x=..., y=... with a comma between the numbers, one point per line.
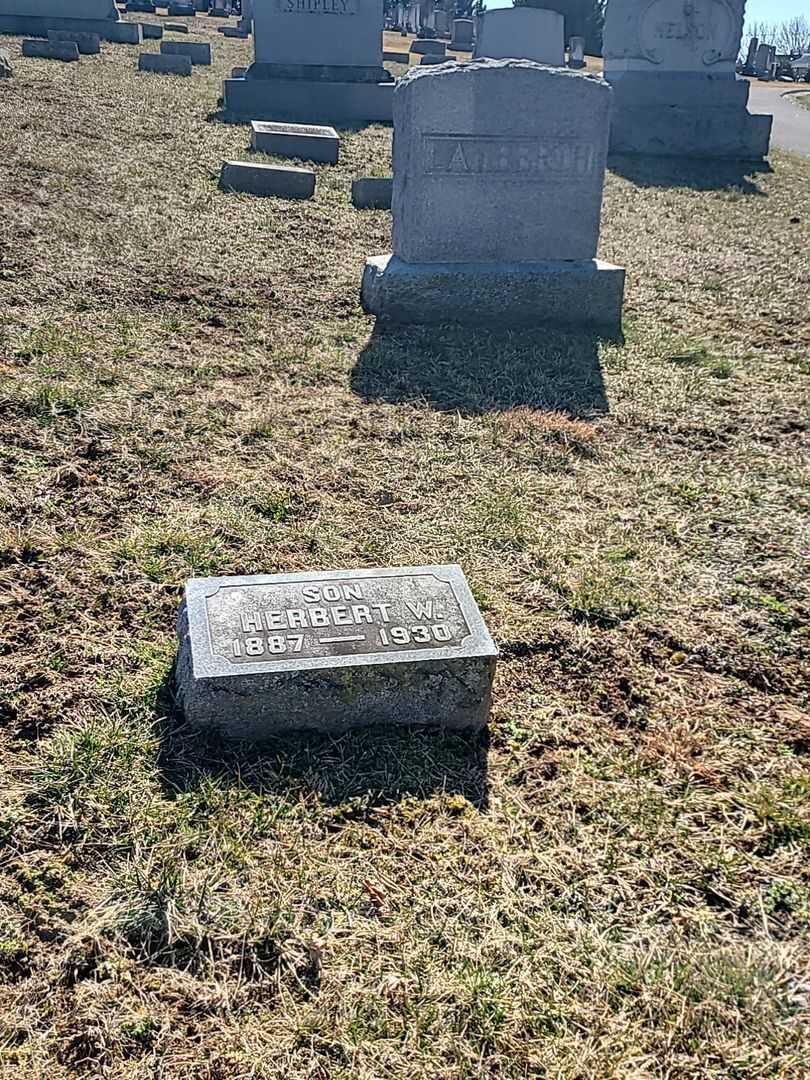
x=369, y=766
x=478, y=371
x=690, y=172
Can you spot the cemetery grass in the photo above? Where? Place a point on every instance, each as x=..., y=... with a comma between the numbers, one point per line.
x=614, y=882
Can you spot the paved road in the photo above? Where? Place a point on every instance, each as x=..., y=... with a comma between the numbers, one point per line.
x=791, y=122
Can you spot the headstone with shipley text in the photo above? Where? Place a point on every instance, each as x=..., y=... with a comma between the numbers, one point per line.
x=316, y=60
x=333, y=650
x=672, y=66
x=499, y=167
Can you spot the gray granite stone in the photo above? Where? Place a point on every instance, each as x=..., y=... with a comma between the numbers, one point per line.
x=280, y=180
x=346, y=33
x=164, y=65
x=151, y=30
x=233, y=32
x=499, y=168
x=186, y=10
x=87, y=43
x=333, y=651
x=587, y=294
x=175, y=28
x=308, y=142
x=300, y=100
x=673, y=68
x=428, y=47
x=396, y=58
x=432, y=60
x=462, y=34
x=372, y=192
x=199, y=52
x=480, y=169
x=524, y=33
x=576, y=53
x=51, y=50
x=122, y=33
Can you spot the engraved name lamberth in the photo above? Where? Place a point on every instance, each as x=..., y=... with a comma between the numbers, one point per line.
x=306, y=619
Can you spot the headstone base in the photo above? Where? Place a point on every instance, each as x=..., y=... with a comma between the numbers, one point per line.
x=309, y=102
x=697, y=132
x=582, y=294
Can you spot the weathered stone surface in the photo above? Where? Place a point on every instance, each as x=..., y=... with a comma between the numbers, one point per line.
x=87, y=43
x=396, y=58
x=280, y=180
x=523, y=33
x=122, y=33
x=51, y=50
x=587, y=293
x=372, y=192
x=233, y=32
x=333, y=651
x=426, y=59
x=672, y=66
x=36, y=17
x=165, y=65
x=319, y=33
x=186, y=10
x=308, y=142
x=151, y=30
x=429, y=47
x=463, y=31
x=482, y=173
x=199, y=52
x=175, y=28
x=496, y=204
x=5, y=65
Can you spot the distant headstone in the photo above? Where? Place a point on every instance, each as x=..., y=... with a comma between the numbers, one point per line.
x=437, y=59
x=308, y=142
x=36, y=17
x=372, y=192
x=199, y=52
x=576, y=53
x=676, y=93
x=186, y=10
x=123, y=33
x=496, y=206
x=333, y=651
x=751, y=58
x=442, y=22
x=233, y=32
x=88, y=44
x=396, y=57
x=524, y=33
x=175, y=28
x=315, y=59
x=463, y=30
x=280, y=180
x=428, y=47
x=51, y=50
x=151, y=30
x=5, y=65
x=144, y=6
x=164, y=65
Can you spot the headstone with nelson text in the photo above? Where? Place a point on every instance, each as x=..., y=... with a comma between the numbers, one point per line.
x=334, y=650
x=672, y=66
x=316, y=60
x=499, y=168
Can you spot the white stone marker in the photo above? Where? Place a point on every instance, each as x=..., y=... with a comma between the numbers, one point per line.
x=335, y=650
x=499, y=167
x=308, y=142
x=672, y=65
x=316, y=60
x=523, y=33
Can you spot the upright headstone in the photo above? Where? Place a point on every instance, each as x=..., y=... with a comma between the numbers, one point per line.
x=761, y=58
x=499, y=168
x=576, y=53
x=442, y=22
x=331, y=651
x=751, y=58
x=315, y=60
x=462, y=38
x=523, y=33
x=672, y=65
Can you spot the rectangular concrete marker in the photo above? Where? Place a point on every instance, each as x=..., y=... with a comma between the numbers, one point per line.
x=51, y=50
x=307, y=142
x=334, y=650
x=199, y=52
x=372, y=192
x=175, y=28
x=396, y=58
x=280, y=180
x=164, y=65
x=428, y=47
x=151, y=30
x=87, y=43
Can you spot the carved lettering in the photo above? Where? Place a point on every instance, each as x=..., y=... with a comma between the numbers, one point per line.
x=513, y=159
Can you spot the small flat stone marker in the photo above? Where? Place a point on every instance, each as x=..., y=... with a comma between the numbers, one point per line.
x=396, y=57
x=199, y=52
x=51, y=50
x=87, y=43
x=233, y=32
x=429, y=58
x=332, y=651
x=429, y=46
x=281, y=180
x=164, y=65
x=308, y=142
x=175, y=28
x=151, y=30
x=372, y=192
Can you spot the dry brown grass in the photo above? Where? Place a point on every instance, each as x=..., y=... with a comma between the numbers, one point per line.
x=615, y=882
